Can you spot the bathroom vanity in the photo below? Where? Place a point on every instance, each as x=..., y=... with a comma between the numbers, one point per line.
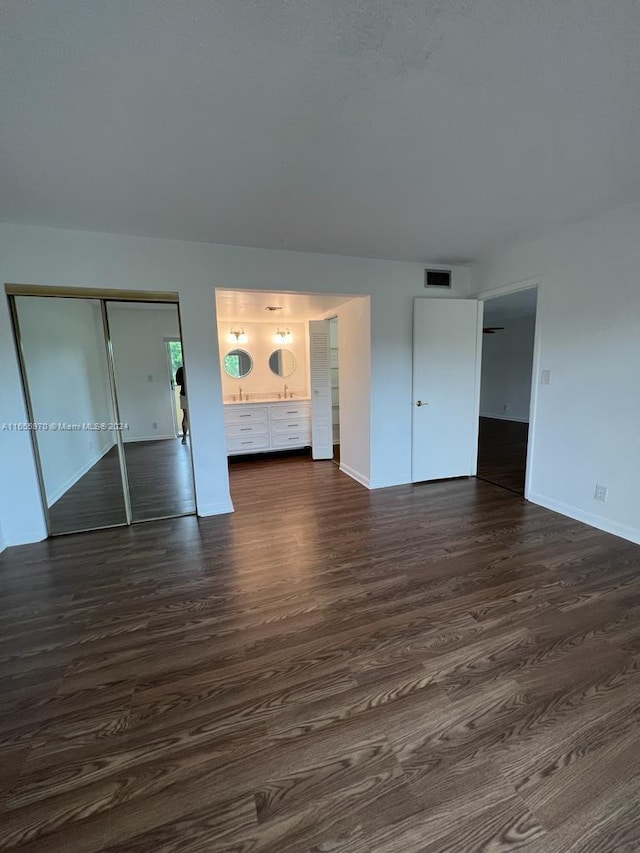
x=267, y=426
x=267, y=406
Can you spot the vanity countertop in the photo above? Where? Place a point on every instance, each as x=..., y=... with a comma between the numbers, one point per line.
x=269, y=401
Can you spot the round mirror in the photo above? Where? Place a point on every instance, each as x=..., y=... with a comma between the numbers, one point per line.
x=238, y=363
x=282, y=362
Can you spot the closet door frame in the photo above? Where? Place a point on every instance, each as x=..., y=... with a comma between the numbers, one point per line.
x=103, y=296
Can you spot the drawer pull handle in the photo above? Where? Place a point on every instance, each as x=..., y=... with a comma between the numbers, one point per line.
x=293, y=425
x=294, y=438
x=246, y=442
x=245, y=429
x=244, y=416
x=294, y=412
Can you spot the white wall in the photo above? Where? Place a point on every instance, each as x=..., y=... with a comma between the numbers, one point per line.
x=587, y=425
x=65, y=361
x=139, y=352
x=260, y=344
x=354, y=359
x=507, y=361
x=84, y=259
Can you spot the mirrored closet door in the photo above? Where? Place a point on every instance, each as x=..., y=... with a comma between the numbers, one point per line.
x=147, y=361
x=106, y=390
x=74, y=424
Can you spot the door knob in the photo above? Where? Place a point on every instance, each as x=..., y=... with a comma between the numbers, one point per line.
x=421, y=403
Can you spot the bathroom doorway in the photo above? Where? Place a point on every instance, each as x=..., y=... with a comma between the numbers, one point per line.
x=292, y=378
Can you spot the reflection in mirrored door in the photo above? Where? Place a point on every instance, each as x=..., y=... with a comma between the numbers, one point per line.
x=67, y=385
x=147, y=357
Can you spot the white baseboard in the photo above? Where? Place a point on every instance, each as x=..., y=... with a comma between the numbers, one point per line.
x=220, y=508
x=355, y=475
x=592, y=519
x=61, y=490
x=504, y=417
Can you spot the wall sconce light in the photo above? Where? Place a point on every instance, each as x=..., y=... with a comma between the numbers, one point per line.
x=237, y=336
x=284, y=336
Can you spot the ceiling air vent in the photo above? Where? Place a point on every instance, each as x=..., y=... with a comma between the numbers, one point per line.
x=437, y=278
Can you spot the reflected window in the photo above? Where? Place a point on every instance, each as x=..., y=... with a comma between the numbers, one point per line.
x=238, y=363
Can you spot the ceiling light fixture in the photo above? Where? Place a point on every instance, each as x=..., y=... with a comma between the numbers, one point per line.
x=237, y=336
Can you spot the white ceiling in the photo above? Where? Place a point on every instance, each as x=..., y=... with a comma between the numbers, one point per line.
x=413, y=129
x=250, y=306
x=522, y=303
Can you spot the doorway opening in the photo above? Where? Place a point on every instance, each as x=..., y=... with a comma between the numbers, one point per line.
x=292, y=380
x=506, y=388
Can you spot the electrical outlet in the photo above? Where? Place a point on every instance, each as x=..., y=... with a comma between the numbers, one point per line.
x=600, y=493
x=155, y=424
x=545, y=378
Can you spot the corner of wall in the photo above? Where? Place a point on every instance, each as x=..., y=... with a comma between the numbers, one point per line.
x=355, y=475
x=220, y=508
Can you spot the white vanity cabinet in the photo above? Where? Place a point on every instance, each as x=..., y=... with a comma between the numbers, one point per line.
x=260, y=427
x=246, y=428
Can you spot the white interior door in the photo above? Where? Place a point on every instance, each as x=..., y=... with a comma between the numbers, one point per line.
x=321, y=408
x=447, y=336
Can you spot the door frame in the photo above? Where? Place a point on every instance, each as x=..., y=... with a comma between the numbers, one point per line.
x=515, y=287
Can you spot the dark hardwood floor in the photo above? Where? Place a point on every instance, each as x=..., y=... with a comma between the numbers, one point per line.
x=160, y=483
x=502, y=453
x=431, y=668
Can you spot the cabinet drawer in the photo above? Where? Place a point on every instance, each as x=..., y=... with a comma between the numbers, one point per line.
x=241, y=415
x=250, y=428
x=300, y=438
x=293, y=410
x=290, y=425
x=240, y=444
